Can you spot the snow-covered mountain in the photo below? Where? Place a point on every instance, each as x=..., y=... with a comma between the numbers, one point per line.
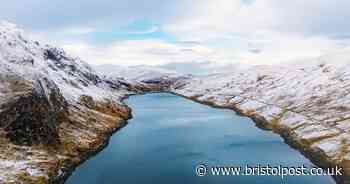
x=143, y=78
x=32, y=60
x=55, y=110
x=138, y=73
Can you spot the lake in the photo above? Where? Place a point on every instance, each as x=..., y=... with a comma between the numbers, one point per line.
x=169, y=136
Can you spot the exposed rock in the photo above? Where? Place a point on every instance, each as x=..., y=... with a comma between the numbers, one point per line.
x=32, y=113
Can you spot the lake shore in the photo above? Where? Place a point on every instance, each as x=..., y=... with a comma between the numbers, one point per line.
x=317, y=157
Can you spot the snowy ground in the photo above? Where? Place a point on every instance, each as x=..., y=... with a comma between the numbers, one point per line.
x=311, y=102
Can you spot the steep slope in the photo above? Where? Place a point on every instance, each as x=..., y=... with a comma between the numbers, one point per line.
x=55, y=110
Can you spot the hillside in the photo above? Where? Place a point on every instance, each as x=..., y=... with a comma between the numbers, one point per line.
x=55, y=110
x=308, y=104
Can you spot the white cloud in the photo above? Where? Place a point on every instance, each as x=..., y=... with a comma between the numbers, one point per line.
x=274, y=49
x=264, y=32
x=281, y=48
x=137, y=52
x=220, y=17
x=222, y=31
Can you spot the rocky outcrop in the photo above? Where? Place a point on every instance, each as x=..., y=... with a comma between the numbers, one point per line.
x=32, y=111
x=82, y=133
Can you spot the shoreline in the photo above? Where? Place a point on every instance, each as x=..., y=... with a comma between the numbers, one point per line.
x=317, y=157
x=61, y=179
x=70, y=170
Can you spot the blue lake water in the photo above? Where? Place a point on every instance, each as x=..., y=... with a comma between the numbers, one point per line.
x=170, y=135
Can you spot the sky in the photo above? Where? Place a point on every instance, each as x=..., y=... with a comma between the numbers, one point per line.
x=179, y=32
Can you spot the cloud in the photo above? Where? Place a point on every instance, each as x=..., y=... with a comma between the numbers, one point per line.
x=265, y=32
x=137, y=52
x=215, y=31
x=254, y=50
x=215, y=18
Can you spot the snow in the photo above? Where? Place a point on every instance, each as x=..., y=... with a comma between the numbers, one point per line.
x=26, y=58
x=329, y=146
x=138, y=73
x=310, y=100
x=304, y=90
x=17, y=166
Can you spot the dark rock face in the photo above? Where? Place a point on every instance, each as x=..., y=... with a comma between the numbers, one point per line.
x=53, y=54
x=32, y=115
x=157, y=84
x=58, y=60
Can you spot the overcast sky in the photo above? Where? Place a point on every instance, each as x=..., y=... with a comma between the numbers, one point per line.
x=157, y=32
